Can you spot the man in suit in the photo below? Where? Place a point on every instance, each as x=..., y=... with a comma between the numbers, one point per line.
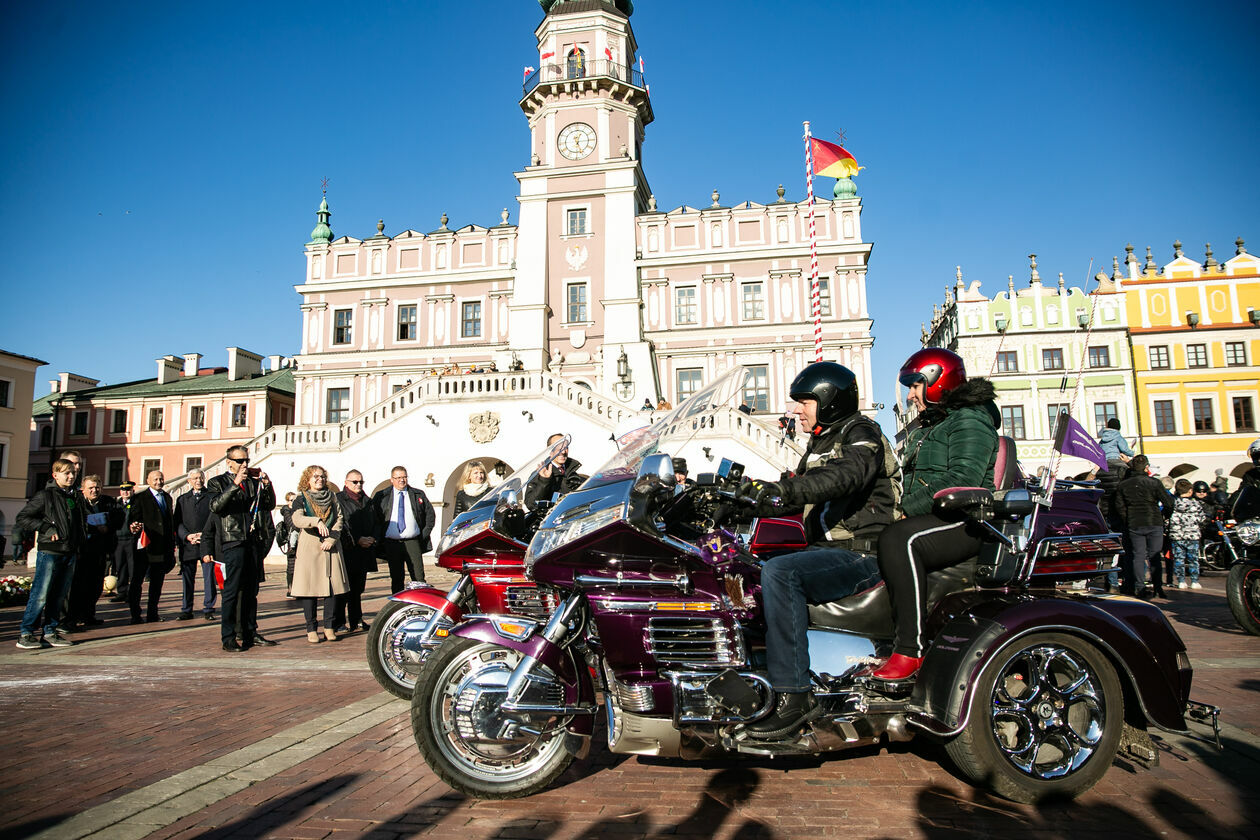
x=191, y=511
x=153, y=523
x=358, y=547
x=101, y=519
x=403, y=529
x=124, y=542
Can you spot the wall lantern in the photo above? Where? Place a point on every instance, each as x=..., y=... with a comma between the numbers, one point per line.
x=623, y=366
x=1253, y=316
x=1192, y=319
x=1000, y=323
x=1082, y=318
x=501, y=469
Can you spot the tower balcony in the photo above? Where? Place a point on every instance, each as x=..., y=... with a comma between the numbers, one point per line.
x=574, y=75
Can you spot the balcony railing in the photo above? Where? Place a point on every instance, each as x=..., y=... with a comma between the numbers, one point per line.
x=573, y=70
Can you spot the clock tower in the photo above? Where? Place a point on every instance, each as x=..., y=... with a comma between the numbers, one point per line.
x=576, y=301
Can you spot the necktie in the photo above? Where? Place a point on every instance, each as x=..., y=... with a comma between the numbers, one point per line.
x=160, y=501
x=402, y=517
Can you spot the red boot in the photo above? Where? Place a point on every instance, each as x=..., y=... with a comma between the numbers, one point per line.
x=898, y=668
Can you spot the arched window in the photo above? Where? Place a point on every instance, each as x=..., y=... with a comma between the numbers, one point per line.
x=575, y=67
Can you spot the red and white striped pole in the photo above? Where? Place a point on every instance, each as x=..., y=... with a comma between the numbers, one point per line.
x=814, y=293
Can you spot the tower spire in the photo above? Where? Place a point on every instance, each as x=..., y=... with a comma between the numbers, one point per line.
x=322, y=232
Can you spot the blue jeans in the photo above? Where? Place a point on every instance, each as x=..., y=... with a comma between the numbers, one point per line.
x=790, y=583
x=49, y=588
x=1142, y=544
x=1185, y=552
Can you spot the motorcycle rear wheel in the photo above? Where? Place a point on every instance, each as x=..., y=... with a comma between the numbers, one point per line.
x=1243, y=588
x=1045, y=720
x=456, y=722
x=386, y=659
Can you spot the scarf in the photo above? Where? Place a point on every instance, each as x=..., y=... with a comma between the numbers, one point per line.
x=475, y=489
x=320, y=503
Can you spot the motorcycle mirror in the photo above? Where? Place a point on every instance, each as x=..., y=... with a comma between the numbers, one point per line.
x=656, y=472
x=510, y=499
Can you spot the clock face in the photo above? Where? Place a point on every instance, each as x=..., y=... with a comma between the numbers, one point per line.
x=577, y=141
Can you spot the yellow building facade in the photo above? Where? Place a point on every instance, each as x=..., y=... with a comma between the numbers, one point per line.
x=1195, y=333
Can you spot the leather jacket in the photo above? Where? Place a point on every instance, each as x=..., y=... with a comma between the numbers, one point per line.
x=55, y=512
x=233, y=505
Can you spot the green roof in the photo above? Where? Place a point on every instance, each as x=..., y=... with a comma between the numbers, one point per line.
x=215, y=383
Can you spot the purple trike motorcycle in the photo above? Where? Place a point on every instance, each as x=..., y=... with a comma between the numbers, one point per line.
x=1032, y=687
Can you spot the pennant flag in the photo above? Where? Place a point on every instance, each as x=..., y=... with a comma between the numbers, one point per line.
x=547, y=55
x=1071, y=438
x=528, y=70
x=608, y=53
x=833, y=161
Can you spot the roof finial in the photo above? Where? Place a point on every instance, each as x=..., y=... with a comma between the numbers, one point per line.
x=1209, y=261
x=322, y=232
x=715, y=197
x=1115, y=268
x=780, y=192
x=503, y=214
x=1150, y=261
x=1176, y=249
x=1128, y=254
x=1061, y=284
x=652, y=203
x=444, y=221
x=1010, y=285
x=1238, y=247
x=1032, y=262
x=958, y=276
x=380, y=226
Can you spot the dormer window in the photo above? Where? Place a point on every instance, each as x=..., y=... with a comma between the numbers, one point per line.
x=575, y=65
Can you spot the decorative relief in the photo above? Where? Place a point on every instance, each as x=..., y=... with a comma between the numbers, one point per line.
x=577, y=337
x=483, y=427
x=575, y=256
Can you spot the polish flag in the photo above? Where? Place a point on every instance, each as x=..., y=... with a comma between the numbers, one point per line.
x=528, y=70
x=608, y=53
x=547, y=55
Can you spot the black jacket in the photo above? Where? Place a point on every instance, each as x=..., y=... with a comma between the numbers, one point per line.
x=420, y=509
x=159, y=524
x=190, y=518
x=98, y=544
x=1141, y=501
x=233, y=504
x=360, y=519
x=54, y=512
x=846, y=485
x=464, y=502
x=561, y=481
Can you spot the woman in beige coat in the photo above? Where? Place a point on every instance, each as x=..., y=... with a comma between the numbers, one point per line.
x=318, y=570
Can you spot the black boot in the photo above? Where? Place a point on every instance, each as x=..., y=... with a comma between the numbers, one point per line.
x=790, y=713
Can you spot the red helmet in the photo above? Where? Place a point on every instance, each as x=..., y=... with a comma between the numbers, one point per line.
x=940, y=370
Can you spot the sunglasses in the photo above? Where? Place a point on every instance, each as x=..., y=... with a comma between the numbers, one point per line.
x=360, y=481
x=239, y=460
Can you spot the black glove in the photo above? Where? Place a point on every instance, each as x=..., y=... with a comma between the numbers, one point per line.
x=766, y=494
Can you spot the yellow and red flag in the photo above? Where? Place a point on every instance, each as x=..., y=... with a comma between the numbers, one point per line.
x=832, y=161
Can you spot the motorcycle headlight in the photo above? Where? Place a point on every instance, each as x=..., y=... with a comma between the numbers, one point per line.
x=1248, y=532
x=453, y=538
x=549, y=539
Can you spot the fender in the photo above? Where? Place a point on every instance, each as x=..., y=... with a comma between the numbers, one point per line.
x=579, y=687
x=430, y=596
x=1134, y=635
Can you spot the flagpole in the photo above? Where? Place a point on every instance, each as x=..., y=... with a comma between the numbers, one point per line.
x=814, y=293
x=1057, y=455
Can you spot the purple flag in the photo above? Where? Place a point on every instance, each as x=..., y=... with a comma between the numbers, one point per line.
x=1070, y=438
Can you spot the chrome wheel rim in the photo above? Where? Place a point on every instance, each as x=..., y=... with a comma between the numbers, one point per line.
x=402, y=665
x=1048, y=712
x=470, y=730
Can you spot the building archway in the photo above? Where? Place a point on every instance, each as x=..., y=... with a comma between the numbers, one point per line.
x=494, y=474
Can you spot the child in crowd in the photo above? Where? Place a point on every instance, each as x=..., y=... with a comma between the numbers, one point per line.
x=1184, y=527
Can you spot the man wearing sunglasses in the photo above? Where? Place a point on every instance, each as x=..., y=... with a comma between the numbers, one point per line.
x=242, y=500
x=358, y=547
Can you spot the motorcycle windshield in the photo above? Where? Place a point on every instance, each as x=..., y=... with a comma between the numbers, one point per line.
x=519, y=480
x=1247, y=504
x=671, y=432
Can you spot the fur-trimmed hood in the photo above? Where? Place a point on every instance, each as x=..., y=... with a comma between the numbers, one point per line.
x=976, y=392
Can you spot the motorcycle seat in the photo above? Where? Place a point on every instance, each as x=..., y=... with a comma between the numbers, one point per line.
x=869, y=613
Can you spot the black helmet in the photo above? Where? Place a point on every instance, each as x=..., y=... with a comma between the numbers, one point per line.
x=833, y=386
x=1201, y=487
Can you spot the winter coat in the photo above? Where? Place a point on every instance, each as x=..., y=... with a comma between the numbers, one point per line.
x=955, y=445
x=99, y=544
x=1114, y=445
x=360, y=521
x=847, y=485
x=233, y=505
x=317, y=573
x=1142, y=502
x=1187, y=519
x=465, y=501
x=542, y=489
x=421, y=510
x=55, y=512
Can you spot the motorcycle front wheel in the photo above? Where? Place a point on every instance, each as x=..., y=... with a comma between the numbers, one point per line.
x=394, y=668
x=1044, y=721
x=1243, y=588
x=465, y=738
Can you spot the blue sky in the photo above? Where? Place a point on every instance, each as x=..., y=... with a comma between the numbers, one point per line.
x=162, y=162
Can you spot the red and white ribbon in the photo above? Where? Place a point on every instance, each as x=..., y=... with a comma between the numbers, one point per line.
x=814, y=294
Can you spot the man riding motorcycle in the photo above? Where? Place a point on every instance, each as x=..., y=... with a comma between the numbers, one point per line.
x=847, y=486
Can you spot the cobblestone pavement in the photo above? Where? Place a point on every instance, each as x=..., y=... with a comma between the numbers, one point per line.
x=152, y=731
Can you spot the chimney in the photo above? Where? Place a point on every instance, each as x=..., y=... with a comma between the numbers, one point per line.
x=192, y=364
x=67, y=382
x=242, y=364
x=167, y=369
x=274, y=363
x=54, y=386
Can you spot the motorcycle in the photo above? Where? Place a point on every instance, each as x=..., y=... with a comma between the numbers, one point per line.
x=1242, y=586
x=486, y=544
x=1032, y=689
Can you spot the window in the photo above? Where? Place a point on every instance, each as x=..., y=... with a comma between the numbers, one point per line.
x=1244, y=415
x=757, y=391
x=754, y=303
x=685, y=306
x=1196, y=355
x=1008, y=361
x=407, y=323
x=470, y=319
x=1203, y=421
x=150, y=464
x=6, y=393
x=575, y=65
x=1053, y=410
x=575, y=303
x=197, y=417
x=575, y=222
x=240, y=415
x=3, y=451
x=79, y=423
x=1159, y=358
x=1099, y=357
x=1052, y=358
x=1235, y=353
x=156, y=419
x=1103, y=412
x=824, y=298
x=343, y=323
x=114, y=474
x=1165, y=422
x=45, y=441
x=338, y=405
x=1013, y=421
x=120, y=422
x=192, y=462
x=396, y=388
x=688, y=382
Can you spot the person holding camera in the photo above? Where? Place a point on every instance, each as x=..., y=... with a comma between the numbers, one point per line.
x=243, y=500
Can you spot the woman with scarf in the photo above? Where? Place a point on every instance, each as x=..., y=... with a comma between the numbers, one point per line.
x=472, y=486
x=319, y=572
